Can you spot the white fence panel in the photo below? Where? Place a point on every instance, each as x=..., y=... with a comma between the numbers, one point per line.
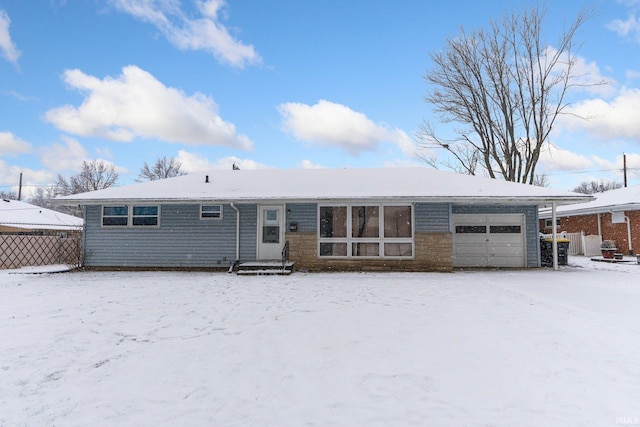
x=576, y=246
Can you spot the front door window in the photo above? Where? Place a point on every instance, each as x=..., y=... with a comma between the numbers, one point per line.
x=271, y=226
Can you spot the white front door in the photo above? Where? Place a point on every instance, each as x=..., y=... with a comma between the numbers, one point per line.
x=270, y=232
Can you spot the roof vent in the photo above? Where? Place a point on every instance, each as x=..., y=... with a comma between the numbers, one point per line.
x=206, y=178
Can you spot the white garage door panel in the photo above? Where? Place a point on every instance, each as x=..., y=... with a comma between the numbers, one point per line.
x=504, y=247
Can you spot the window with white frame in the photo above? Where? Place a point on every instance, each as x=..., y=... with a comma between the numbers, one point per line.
x=211, y=212
x=365, y=231
x=548, y=223
x=115, y=216
x=145, y=216
x=131, y=216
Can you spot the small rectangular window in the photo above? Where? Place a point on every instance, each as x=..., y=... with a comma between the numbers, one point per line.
x=211, y=212
x=471, y=229
x=505, y=229
x=115, y=216
x=398, y=249
x=365, y=249
x=145, y=216
x=548, y=223
x=333, y=249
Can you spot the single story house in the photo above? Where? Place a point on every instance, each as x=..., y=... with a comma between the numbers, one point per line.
x=400, y=219
x=613, y=215
x=32, y=235
x=21, y=217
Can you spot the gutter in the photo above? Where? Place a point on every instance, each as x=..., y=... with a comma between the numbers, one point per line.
x=628, y=221
x=237, y=232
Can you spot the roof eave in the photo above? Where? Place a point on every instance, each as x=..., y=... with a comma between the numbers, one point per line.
x=594, y=210
x=501, y=200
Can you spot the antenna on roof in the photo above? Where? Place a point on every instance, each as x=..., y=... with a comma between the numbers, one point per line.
x=206, y=178
x=235, y=167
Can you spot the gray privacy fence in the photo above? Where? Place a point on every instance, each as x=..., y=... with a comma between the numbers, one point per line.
x=19, y=250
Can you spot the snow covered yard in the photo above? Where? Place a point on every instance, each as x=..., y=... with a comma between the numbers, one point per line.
x=527, y=348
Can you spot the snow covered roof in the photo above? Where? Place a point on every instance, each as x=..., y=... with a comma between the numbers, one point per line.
x=14, y=213
x=621, y=199
x=388, y=184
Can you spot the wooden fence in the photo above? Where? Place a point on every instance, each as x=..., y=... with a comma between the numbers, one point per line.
x=18, y=250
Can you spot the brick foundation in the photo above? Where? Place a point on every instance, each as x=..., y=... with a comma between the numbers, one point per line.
x=433, y=252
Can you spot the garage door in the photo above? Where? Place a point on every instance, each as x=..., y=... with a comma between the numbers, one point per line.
x=488, y=240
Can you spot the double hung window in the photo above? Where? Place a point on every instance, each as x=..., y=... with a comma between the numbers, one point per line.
x=117, y=216
x=365, y=231
x=131, y=216
x=211, y=212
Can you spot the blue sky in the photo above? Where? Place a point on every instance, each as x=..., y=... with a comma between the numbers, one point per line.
x=282, y=83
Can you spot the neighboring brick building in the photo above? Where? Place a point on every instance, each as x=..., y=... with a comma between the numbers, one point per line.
x=614, y=215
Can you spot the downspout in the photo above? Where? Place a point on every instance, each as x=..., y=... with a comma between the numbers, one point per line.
x=237, y=231
x=84, y=237
x=628, y=221
x=600, y=225
x=554, y=236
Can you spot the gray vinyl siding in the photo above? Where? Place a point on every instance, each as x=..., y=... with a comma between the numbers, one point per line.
x=531, y=219
x=181, y=240
x=304, y=214
x=432, y=217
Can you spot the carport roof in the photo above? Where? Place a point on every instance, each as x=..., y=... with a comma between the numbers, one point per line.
x=291, y=185
x=619, y=200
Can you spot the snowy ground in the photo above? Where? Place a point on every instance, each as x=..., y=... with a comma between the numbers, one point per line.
x=505, y=348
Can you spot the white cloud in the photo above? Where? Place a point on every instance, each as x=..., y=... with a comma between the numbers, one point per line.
x=203, y=33
x=11, y=174
x=556, y=158
x=193, y=163
x=608, y=120
x=64, y=156
x=8, y=48
x=587, y=76
x=135, y=105
x=626, y=28
x=10, y=144
x=330, y=124
x=632, y=74
x=308, y=164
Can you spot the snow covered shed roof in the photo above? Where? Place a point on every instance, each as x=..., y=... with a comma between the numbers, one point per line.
x=619, y=200
x=387, y=184
x=16, y=214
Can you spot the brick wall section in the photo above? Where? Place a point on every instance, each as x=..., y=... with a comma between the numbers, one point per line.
x=433, y=252
x=589, y=225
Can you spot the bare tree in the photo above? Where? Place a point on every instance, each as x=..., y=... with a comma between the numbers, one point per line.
x=163, y=168
x=42, y=197
x=504, y=88
x=592, y=187
x=95, y=175
x=8, y=195
x=541, y=180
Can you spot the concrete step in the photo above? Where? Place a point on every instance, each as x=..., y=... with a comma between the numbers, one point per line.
x=255, y=268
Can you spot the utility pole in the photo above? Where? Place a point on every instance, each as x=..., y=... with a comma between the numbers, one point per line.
x=624, y=167
x=20, y=188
